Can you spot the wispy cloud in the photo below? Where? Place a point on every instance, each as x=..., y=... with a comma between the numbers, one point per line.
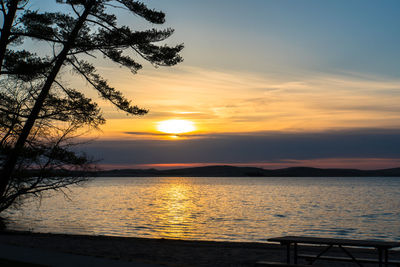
x=152, y=134
x=228, y=101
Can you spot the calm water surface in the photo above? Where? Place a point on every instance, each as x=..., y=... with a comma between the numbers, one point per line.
x=234, y=209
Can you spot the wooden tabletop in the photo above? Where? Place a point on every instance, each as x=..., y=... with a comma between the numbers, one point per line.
x=334, y=241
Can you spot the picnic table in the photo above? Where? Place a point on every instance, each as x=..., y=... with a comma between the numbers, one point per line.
x=382, y=248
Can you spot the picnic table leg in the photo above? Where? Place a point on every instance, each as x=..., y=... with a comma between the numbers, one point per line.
x=295, y=253
x=320, y=254
x=288, y=253
x=350, y=256
x=380, y=256
x=386, y=257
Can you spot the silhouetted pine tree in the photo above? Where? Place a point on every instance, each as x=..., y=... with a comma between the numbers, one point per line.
x=47, y=161
x=89, y=29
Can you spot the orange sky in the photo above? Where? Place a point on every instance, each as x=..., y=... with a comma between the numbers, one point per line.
x=224, y=101
x=306, y=68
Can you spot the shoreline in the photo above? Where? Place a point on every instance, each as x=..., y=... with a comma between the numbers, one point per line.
x=165, y=252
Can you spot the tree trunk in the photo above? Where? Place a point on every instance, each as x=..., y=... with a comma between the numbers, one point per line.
x=6, y=30
x=11, y=161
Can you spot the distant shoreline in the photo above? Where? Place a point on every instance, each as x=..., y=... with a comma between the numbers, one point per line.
x=232, y=171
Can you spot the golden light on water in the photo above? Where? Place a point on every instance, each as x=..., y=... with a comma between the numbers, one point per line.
x=178, y=205
x=175, y=126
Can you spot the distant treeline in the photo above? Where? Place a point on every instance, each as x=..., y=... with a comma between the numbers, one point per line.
x=232, y=171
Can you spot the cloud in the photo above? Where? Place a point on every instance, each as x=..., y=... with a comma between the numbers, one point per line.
x=147, y=134
x=229, y=101
x=151, y=134
x=159, y=115
x=250, y=148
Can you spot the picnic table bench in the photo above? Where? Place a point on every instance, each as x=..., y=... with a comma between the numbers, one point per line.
x=382, y=248
x=277, y=264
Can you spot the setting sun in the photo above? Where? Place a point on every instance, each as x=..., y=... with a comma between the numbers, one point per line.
x=175, y=126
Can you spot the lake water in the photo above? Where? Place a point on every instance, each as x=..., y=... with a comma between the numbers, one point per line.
x=228, y=209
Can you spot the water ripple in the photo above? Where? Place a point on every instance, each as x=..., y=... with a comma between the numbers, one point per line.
x=233, y=209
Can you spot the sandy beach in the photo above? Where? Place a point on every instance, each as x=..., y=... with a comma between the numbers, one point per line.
x=166, y=252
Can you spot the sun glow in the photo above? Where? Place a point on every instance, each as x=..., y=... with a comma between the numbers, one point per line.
x=176, y=126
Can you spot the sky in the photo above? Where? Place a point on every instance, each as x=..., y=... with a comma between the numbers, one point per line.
x=265, y=83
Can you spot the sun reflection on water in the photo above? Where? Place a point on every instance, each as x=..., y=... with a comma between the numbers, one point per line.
x=178, y=206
